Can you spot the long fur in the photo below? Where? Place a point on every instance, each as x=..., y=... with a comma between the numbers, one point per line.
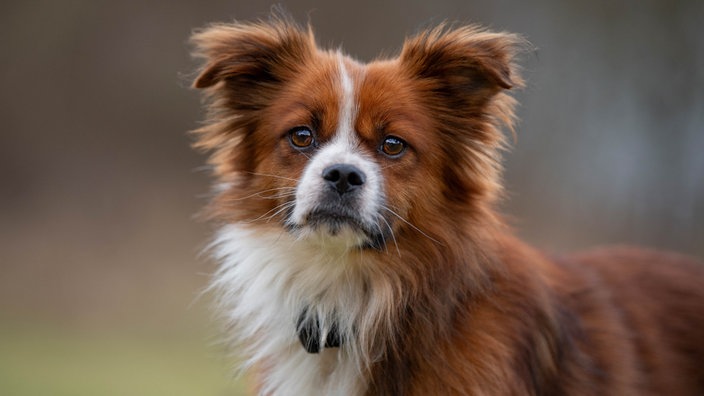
x=448, y=302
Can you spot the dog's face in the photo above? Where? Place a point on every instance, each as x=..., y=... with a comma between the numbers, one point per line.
x=353, y=155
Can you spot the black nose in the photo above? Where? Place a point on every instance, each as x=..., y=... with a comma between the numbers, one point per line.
x=344, y=177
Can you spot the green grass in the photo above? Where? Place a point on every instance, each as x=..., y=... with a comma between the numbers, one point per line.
x=38, y=361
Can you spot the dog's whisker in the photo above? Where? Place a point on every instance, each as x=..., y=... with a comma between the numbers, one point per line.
x=274, y=176
x=282, y=208
x=411, y=225
x=391, y=232
x=278, y=196
x=258, y=193
x=276, y=210
x=377, y=226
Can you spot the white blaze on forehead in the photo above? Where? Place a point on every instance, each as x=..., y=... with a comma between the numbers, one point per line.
x=345, y=125
x=343, y=148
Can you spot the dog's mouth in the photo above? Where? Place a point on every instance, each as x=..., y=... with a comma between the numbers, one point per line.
x=343, y=223
x=335, y=220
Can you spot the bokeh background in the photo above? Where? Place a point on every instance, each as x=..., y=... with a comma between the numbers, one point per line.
x=99, y=266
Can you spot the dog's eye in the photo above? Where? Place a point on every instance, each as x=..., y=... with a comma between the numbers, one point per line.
x=393, y=146
x=301, y=137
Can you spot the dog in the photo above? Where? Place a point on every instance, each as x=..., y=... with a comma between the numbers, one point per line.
x=360, y=248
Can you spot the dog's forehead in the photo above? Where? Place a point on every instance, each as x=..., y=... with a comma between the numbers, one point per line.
x=324, y=95
x=368, y=97
x=341, y=98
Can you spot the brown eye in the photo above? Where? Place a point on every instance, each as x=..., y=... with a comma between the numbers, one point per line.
x=301, y=137
x=393, y=146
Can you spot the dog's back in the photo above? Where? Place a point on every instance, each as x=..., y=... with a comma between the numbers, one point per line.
x=657, y=300
x=613, y=321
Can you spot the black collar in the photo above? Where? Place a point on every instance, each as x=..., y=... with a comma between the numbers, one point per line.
x=309, y=333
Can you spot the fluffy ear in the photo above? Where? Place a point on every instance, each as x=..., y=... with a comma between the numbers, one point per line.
x=465, y=60
x=460, y=75
x=251, y=59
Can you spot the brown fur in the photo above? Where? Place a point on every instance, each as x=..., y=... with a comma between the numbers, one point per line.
x=474, y=310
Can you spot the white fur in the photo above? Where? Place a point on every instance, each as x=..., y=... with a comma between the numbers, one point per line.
x=348, y=110
x=269, y=276
x=267, y=279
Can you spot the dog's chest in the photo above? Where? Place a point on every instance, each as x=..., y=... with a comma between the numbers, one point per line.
x=267, y=285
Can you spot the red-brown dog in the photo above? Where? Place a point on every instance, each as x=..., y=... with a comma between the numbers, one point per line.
x=361, y=251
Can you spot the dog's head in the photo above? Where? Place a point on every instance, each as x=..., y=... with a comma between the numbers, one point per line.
x=350, y=154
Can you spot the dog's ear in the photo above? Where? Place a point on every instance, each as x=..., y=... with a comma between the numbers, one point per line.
x=465, y=61
x=251, y=60
x=460, y=76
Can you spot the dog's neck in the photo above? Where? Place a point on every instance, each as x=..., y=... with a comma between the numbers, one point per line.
x=298, y=305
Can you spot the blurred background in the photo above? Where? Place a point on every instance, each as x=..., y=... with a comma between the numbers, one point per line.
x=99, y=252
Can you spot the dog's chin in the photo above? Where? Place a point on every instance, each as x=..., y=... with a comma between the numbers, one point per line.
x=335, y=228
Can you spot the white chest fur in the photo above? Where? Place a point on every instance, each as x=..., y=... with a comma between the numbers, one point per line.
x=267, y=278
